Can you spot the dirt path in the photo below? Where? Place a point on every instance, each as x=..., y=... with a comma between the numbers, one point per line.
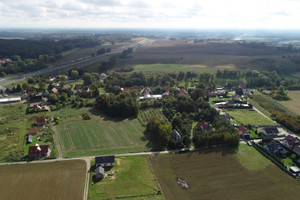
x=56, y=136
x=87, y=179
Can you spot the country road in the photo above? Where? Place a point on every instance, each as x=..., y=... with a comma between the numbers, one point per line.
x=13, y=79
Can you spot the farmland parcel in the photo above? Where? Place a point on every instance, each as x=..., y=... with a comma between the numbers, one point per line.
x=55, y=180
x=98, y=136
x=222, y=174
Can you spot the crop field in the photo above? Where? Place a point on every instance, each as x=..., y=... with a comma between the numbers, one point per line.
x=98, y=136
x=144, y=115
x=223, y=174
x=251, y=117
x=294, y=104
x=132, y=179
x=55, y=180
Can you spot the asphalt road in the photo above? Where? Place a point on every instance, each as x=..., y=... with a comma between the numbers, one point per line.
x=7, y=81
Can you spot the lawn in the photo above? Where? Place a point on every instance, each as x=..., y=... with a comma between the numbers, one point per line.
x=244, y=116
x=99, y=135
x=223, y=174
x=133, y=179
x=159, y=67
x=55, y=180
x=145, y=114
x=294, y=104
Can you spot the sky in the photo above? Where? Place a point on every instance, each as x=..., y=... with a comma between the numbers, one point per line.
x=179, y=14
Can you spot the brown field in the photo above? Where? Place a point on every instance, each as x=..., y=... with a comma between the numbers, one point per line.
x=219, y=174
x=294, y=104
x=212, y=53
x=56, y=180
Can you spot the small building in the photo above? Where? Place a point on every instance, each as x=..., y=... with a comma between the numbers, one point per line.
x=105, y=161
x=270, y=132
x=54, y=90
x=40, y=121
x=203, y=126
x=33, y=131
x=150, y=97
x=24, y=96
x=211, y=94
x=295, y=170
x=67, y=86
x=236, y=97
x=29, y=138
x=165, y=94
x=146, y=91
x=175, y=135
x=99, y=172
x=244, y=132
x=9, y=100
x=103, y=76
x=31, y=93
x=247, y=92
x=39, y=151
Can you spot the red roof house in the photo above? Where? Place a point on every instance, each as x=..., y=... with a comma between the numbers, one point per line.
x=33, y=131
x=41, y=121
x=244, y=132
x=204, y=126
x=39, y=151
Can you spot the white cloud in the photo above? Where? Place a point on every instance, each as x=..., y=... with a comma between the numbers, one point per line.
x=195, y=14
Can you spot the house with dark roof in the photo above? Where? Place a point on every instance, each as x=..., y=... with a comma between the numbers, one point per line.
x=244, y=132
x=203, y=126
x=39, y=151
x=269, y=132
x=105, y=161
x=99, y=172
x=297, y=149
x=40, y=121
x=175, y=135
x=290, y=141
x=275, y=148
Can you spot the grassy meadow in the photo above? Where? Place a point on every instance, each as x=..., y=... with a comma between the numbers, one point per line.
x=55, y=180
x=251, y=117
x=99, y=135
x=133, y=179
x=294, y=104
x=223, y=174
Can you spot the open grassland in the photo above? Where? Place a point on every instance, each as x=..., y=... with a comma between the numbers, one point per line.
x=159, y=67
x=245, y=116
x=14, y=124
x=98, y=136
x=294, y=104
x=133, y=179
x=221, y=174
x=55, y=180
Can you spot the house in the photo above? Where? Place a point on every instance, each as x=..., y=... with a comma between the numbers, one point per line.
x=182, y=91
x=40, y=121
x=246, y=92
x=39, y=151
x=67, y=86
x=54, y=90
x=24, y=96
x=297, y=149
x=275, y=148
x=30, y=93
x=99, y=172
x=138, y=88
x=36, y=106
x=244, y=132
x=236, y=97
x=33, y=131
x=29, y=139
x=269, y=132
x=221, y=92
x=146, y=91
x=203, y=126
x=103, y=76
x=290, y=141
x=211, y=94
x=175, y=135
x=51, y=78
x=105, y=161
x=127, y=88
x=227, y=118
x=165, y=94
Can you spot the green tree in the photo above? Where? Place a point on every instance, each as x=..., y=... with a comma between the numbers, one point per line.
x=74, y=74
x=87, y=78
x=30, y=80
x=52, y=98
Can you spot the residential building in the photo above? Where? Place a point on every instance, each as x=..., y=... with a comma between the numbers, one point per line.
x=290, y=141
x=244, y=132
x=275, y=148
x=99, y=172
x=269, y=132
x=105, y=161
x=33, y=131
x=40, y=121
x=175, y=135
x=39, y=151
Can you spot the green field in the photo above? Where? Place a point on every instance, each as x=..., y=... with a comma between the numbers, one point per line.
x=133, y=179
x=55, y=180
x=222, y=174
x=178, y=67
x=98, y=136
x=294, y=104
x=244, y=116
x=145, y=114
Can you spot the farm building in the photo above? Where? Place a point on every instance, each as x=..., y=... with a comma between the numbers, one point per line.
x=99, y=172
x=39, y=151
x=105, y=161
x=40, y=121
x=270, y=132
x=175, y=135
x=10, y=100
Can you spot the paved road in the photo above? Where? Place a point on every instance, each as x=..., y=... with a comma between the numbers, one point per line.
x=13, y=79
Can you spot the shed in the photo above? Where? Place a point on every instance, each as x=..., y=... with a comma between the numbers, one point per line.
x=295, y=170
x=105, y=161
x=175, y=135
x=99, y=172
x=30, y=138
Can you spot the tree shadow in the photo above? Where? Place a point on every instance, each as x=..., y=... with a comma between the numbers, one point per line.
x=105, y=117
